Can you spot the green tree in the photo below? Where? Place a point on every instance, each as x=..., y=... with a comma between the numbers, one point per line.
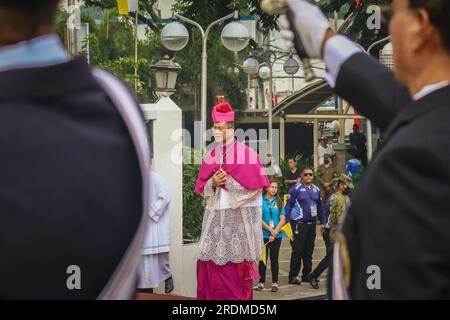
x=193, y=204
x=111, y=45
x=222, y=80
x=252, y=7
x=146, y=9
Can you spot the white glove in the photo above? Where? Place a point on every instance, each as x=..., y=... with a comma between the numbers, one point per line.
x=310, y=23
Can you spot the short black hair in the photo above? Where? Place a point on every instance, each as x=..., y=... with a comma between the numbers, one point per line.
x=351, y=151
x=439, y=12
x=34, y=13
x=307, y=168
x=28, y=5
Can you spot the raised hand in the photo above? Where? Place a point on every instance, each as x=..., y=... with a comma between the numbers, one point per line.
x=310, y=23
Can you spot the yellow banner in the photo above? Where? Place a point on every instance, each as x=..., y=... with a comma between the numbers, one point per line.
x=123, y=7
x=288, y=231
x=264, y=255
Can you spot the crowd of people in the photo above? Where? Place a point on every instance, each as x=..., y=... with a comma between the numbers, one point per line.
x=85, y=197
x=245, y=215
x=307, y=206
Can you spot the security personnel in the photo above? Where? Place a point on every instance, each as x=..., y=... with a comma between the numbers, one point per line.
x=73, y=168
x=303, y=207
x=335, y=210
x=395, y=242
x=325, y=175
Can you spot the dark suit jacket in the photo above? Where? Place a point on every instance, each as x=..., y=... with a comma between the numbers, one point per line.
x=70, y=183
x=400, y=218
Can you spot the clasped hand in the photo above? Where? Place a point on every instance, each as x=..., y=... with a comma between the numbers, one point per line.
x=219, y=178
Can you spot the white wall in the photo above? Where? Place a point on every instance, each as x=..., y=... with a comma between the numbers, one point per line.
x=165, y=7
x=167, y=148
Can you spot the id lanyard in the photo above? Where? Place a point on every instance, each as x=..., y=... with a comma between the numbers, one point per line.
x=271, y=206
x=313, y=206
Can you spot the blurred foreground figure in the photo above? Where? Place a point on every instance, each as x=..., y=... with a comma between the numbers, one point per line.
x=395, y=240
x=231, y=179
x=73, y=170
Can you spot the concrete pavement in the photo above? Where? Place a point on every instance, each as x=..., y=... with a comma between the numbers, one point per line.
x=288, y=291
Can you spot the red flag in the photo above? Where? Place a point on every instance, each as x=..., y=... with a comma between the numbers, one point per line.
x=358, y=3
x=275, y=97
x=357, y=121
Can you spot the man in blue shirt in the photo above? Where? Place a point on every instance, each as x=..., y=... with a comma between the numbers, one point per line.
x=303, y=208
x=353, y=165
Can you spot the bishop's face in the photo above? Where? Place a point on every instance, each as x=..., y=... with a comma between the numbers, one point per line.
x=222, y=132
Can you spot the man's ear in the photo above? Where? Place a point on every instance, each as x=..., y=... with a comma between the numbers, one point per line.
x=424, y=32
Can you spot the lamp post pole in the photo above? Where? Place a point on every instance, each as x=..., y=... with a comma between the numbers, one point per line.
x=204, y=71
x=270, y=147
x=282, y=135
x=271, y=59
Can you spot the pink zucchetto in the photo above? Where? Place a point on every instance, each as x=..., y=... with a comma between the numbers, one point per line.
x=223, y=112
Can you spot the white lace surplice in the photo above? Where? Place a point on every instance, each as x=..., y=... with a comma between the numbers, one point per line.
x=232, y=222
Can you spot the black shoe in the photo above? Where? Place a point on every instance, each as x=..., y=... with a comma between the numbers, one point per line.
x=294, y=280
x=144, y=290
x=306, y=279
x=168, y=287
x=313, y=281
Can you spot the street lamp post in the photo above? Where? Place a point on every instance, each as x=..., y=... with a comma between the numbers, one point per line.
x=235, y=37
x=165, y=74
x=291, y=67
x=265, y=72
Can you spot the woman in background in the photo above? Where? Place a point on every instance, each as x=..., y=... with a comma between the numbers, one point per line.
x=273, y=218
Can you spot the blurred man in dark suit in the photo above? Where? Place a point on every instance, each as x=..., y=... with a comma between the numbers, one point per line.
x=394, y=242
x=72, y=167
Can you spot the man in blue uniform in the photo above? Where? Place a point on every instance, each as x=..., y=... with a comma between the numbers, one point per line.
x=303, y=208
x=353, y=165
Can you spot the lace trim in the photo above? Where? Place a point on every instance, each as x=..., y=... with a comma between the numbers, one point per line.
x=231, y=235
x=238, y=194
x=210, y=195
